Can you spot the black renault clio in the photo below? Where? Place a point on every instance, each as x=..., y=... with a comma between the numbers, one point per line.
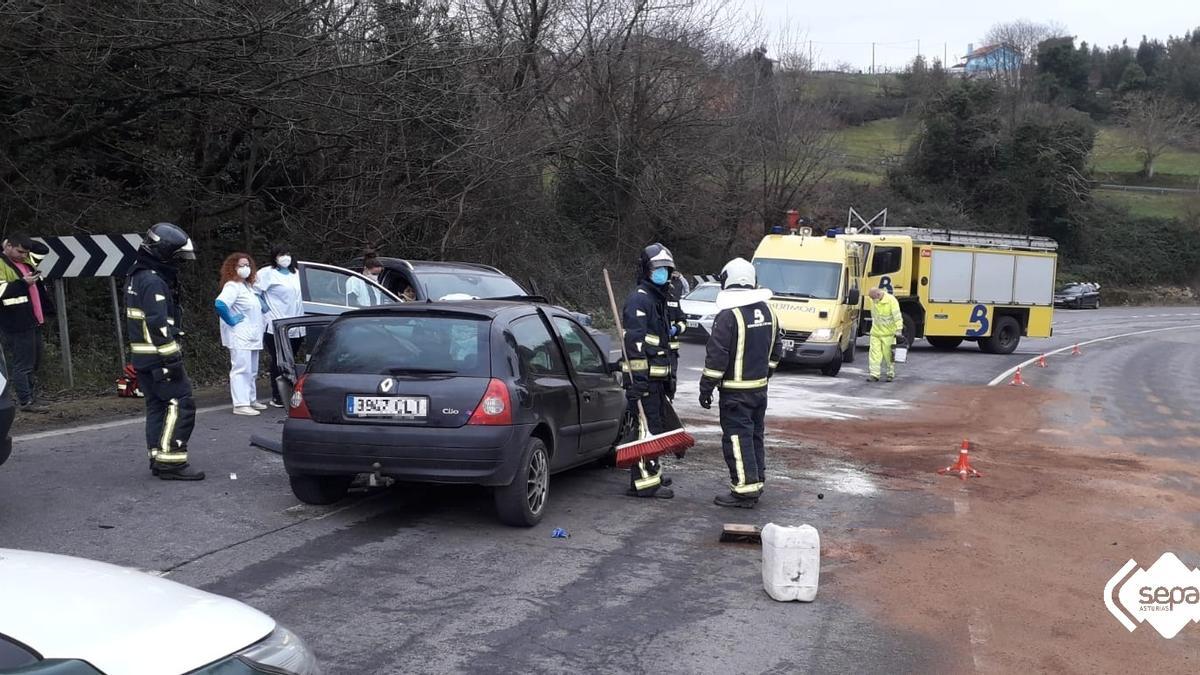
x=487, y=392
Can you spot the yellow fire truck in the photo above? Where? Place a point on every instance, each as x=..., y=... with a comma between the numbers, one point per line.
x=959, y=285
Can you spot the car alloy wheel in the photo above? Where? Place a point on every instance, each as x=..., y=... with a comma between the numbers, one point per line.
x=537, y=482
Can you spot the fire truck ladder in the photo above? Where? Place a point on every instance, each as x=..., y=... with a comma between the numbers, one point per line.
x=929, y=235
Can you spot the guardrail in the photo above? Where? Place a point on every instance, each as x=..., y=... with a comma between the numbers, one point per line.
x=1143, y=188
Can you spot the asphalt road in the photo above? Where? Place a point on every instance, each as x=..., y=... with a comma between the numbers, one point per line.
x=417, y=579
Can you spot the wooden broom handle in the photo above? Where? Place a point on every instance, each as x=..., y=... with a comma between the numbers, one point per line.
x=612, y=303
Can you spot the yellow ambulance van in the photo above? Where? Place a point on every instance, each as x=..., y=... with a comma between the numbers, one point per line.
x=815, y=281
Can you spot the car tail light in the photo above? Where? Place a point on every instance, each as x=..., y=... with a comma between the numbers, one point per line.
x=297, y=408
x=495, y=407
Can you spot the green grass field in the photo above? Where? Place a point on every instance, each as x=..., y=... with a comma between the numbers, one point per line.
x=865, y=153
x=1150, y=205
x=1114, y=154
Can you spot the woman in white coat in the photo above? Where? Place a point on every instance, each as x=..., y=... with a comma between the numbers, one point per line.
x=279, y=284
x=242, y=326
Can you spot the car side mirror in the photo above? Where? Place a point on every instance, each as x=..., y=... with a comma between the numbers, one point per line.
x=853, y=297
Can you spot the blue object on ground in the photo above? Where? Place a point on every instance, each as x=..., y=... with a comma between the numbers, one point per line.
x=559, y=533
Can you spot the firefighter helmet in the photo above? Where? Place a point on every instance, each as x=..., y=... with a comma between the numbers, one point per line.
x=738, y=273
x=166, y=242
x=655, y=256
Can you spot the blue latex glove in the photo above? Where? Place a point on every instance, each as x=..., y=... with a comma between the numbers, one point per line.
x=227, y=314
x=674, y=331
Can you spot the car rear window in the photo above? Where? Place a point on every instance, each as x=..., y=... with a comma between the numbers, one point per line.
x=396, y=344
x=441, y=284
x=704, y=293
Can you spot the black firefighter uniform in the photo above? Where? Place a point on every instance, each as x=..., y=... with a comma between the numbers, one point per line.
x=743, y=351
x=645, y=318
x=152, y=318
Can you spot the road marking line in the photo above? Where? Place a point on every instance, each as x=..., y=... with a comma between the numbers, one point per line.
x=1008, y=373
x=101, y=425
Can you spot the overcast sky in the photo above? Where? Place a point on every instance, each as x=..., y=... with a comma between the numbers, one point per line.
x=844, y=31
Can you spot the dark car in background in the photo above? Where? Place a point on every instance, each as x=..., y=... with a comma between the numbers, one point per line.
x=425, y=280
x=1078, y=296
x=486, y=392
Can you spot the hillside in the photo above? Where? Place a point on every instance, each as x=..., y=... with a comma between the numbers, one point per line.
x=866, y=151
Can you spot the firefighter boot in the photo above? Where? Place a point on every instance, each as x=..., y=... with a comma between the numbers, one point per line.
x=182, y=471
x=736, y=501
x=652, y=493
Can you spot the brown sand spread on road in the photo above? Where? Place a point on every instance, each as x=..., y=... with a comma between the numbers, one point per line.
x=1008, y=570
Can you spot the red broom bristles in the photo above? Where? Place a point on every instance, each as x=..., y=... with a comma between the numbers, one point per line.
x=666, y=443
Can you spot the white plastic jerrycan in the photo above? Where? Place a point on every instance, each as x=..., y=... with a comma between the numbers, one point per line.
x=791, y=565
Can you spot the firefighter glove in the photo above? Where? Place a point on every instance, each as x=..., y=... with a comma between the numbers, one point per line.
x=172, y=369
x=706, y=399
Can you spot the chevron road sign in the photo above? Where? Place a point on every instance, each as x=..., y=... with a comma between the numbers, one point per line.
x=84, y=256
x=95, y=255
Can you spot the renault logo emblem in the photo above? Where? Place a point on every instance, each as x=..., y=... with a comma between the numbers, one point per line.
x=387, y=385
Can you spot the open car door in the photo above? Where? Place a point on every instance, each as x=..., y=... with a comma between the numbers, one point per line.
x=290, y=368
x=329, y=289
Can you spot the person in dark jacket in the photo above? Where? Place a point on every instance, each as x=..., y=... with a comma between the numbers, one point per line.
x=153, y=322
x=743, y=350
x=24, y=307
x=646, y=320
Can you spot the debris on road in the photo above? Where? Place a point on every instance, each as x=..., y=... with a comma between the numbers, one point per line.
x=559, y=533
x=791, y=562
x=741, y=533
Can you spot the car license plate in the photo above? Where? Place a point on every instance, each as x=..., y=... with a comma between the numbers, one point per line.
x=387, y=406
x=693, y=324
x=789, y=344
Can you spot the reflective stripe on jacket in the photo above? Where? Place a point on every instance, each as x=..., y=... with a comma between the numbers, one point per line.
x=743, y=350
x=886, y=319
x=647, y=333
x=151, y=319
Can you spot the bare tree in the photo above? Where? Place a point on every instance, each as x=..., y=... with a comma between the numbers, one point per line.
x=1155, y=123
x=1022, y=37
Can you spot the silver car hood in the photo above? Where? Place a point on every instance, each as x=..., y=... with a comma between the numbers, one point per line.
x=120, y=620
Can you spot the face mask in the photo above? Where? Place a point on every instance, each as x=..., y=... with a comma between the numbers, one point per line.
x=372, y=277
x=660, y=276
x=244, y=272
x=284, y=261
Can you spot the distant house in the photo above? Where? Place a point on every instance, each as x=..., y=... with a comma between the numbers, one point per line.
x=989, y=61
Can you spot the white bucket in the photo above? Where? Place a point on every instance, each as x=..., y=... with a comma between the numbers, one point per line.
x=901, y=354
x=791, y=565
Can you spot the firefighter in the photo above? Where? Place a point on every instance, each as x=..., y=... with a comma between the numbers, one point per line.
x=648, y=332
x=743, y=350
x=887, y=326
x=677, y=324
x=153, y=321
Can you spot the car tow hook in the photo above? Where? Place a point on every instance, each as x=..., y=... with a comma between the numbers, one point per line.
x=377, y=479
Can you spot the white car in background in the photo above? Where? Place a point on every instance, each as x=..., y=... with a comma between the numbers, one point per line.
x=700, y=306
x=61, y=615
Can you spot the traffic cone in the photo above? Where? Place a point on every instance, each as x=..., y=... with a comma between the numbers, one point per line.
x=963, y=466
x=1042, y=361
x=1075, y=351
x=1017, y=381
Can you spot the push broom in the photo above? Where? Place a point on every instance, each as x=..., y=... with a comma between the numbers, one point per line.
x=647, y=445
